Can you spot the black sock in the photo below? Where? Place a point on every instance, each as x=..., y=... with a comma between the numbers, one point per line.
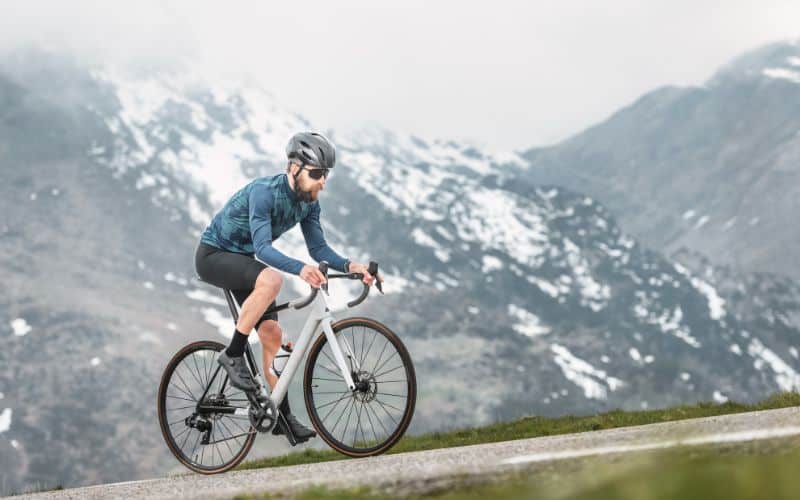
x=238, y=342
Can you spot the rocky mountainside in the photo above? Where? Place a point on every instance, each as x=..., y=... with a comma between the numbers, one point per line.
x=513, y=298
x=714, y=168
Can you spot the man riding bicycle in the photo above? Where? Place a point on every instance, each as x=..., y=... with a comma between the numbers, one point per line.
x=236, y=253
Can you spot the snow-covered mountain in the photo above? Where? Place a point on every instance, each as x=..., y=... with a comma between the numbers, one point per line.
x=714, y=168
x=513, y=298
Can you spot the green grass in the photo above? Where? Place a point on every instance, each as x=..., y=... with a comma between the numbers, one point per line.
x=734, y=473
x=744, y=471
x=529, y=427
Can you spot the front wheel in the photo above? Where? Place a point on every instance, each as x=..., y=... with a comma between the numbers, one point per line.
x=371, y=419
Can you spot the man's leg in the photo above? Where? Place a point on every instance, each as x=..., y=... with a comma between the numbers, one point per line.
x=265, y=290
x=271, y=335
x=268, y=285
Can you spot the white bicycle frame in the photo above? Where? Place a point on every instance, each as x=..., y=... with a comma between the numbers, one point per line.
x=319, y=316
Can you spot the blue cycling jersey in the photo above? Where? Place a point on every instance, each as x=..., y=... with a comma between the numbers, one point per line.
x=262, y=211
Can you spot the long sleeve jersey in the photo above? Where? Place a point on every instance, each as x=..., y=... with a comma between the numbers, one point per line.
x=262, y=211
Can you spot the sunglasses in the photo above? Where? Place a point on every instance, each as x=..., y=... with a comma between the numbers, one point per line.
x=317, y=173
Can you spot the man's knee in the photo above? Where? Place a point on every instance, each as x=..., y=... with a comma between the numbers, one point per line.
x=269, y=331
x=269, y=278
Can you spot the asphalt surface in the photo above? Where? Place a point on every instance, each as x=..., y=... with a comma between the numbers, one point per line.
x=411, y=470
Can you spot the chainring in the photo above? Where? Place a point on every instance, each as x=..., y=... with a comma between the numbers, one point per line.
x=263, y=417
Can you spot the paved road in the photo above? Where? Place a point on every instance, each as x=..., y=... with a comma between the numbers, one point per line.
x=438, y=466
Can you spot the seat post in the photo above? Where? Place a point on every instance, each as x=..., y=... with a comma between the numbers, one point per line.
x=231, y=304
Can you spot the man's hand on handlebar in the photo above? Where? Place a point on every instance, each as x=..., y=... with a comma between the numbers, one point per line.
x=312, y=275
x=357, y=267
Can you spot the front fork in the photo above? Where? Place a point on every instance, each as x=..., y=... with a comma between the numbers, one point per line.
x=344, y=367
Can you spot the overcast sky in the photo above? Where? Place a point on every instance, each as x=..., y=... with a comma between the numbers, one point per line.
x=503, y=75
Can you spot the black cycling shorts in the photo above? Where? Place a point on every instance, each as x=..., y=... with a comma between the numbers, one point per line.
x=234, y=271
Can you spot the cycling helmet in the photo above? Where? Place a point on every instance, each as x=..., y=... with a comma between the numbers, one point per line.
x=311, y=148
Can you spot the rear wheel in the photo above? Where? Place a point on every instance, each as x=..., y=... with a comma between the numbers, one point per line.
x=371, y=419
x=204, y=440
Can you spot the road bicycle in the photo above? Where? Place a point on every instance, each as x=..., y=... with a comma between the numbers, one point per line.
x=359, y=388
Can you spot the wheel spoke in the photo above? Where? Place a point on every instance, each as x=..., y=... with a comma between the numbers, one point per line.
x=333, y=429
x=334, y=406
x=183, y=392
x=369, y=407
x=366, y=354
x=387, y=411
x=381, y=355
x=349, y=415
x=233, y=436
x=183, y=399
x=197, y=370
x=389, y=371
x=369, y=418
x=387, y=404
x=331, y=371
x=358, y=424
x=186, y=438
x=376, y=370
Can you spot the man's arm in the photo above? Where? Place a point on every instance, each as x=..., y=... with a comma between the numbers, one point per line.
x=261, y=202
x=315, y=241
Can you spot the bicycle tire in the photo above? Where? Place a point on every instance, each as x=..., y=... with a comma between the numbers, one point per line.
x=184, y=388
x=327, y=431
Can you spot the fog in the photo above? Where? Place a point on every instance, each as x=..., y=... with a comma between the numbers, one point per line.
x=500, y=74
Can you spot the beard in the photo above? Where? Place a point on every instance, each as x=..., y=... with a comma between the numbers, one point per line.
x=307, y=196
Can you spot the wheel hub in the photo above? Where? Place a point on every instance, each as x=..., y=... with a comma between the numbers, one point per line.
x=366, y=386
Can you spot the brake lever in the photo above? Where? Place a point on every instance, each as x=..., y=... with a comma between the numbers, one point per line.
x=323, y=267
x=373, y=270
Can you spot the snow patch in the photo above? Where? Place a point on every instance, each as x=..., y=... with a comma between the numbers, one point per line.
x=701, y=222
x=224, y=324
x=716, y=304
x=595, y=383
x=491, y=263
x=670, y=321
x=203, y=296
x=421, y=238
x=20, y=327
x=529, y=324
x=5, y=420
x=593, y=294
x=786, y=378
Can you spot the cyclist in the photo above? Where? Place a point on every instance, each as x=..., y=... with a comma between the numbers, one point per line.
x=236, y=252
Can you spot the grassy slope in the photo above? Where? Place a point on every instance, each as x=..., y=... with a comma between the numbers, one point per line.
x=538, y=426
x=746, y=471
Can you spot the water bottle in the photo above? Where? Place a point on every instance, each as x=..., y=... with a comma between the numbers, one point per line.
x=281, y=357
